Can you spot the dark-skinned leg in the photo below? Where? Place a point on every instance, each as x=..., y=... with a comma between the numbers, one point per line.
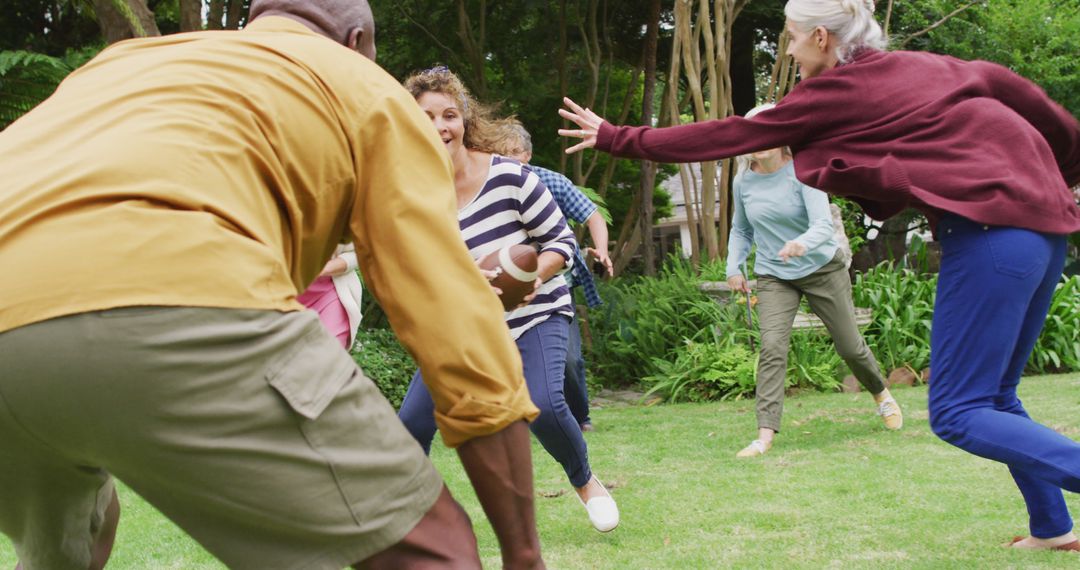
x=500, y=469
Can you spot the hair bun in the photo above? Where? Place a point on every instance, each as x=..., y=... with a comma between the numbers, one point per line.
x=852, y=6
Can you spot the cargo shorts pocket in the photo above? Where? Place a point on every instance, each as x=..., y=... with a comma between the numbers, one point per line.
x=310, y=375
x=351, y=432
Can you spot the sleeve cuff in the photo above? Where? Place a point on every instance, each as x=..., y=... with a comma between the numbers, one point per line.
x=471, y=417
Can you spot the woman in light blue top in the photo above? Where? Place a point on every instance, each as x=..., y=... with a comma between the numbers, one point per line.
x=797, y=256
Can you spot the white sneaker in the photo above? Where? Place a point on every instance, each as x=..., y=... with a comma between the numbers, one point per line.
x=603, y=512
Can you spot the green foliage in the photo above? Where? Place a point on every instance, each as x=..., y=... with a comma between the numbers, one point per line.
x=1058, y=347
x=1038, y=39
x=28, y=78
x=644, y=320
x=704, y=371
x=716, y=269
x=854, y=226
x=49, y=27
x=813, y=362
x=902, y=301
x=385, y=362
x=682, y=344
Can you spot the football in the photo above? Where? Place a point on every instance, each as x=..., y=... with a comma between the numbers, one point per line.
x=516, y=266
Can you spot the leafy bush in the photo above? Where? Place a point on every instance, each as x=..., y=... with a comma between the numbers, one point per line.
x=703, y=371
x=663, y=330
x=28, y=78
x=902, y=301
x=385, y=361
x=813, y=362
x=644, y=321
x=1058, y=347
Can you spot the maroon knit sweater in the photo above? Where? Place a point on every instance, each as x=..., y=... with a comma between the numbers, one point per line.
x=897, y=129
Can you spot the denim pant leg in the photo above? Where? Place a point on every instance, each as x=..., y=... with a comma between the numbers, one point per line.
x=993, y=293
x=577, y=391
x=543, y=352
x=418, y=412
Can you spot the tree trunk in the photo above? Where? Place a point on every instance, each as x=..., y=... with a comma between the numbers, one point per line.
x=472, y=42
x=564, y=84
x=648, y=168
x=215, y=14
x=783, y=71
x=743, y=74
x=190, y=15
x=593, y=58
x=232, y=17
x=125, y=19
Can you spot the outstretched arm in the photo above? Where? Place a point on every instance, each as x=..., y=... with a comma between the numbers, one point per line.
x=784, y=125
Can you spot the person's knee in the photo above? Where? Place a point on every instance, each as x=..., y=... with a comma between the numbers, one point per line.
x=946, y=425
x=855, y=349
x=774, y=345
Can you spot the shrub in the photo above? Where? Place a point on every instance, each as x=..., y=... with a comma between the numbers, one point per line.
x=902, y=301
x=703, y=371
x=813, y=362
x=385, y=361
x=1058, y=347
x=644, y=320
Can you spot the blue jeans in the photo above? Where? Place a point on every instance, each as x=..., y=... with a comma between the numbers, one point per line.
x=993, y=294
x=543, y=353
x=577, y=391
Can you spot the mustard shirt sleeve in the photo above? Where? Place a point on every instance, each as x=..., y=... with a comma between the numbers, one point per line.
x=414, y=259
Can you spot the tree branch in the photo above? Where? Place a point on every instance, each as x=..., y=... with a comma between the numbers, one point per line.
x=938, y=23
x=416, y=23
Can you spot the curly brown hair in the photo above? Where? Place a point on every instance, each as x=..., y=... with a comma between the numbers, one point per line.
x=483, y=131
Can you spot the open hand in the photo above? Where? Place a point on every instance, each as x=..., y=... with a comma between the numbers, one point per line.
x=587, y=121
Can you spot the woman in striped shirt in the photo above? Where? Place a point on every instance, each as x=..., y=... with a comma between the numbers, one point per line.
x=502, y=203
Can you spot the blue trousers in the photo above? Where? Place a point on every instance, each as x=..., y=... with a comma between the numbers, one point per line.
x=993, y=294
x=577, y=390
x=543, y=353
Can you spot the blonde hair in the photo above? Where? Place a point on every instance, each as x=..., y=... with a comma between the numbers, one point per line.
x=743, y=161
x=483, y=132
x=851, y=21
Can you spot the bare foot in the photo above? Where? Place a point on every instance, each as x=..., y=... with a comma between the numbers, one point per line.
x=1034, y=543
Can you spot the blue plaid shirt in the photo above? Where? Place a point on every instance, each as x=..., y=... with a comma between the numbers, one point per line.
x=575, y=206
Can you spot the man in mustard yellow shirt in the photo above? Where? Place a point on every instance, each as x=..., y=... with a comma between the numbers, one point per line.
x=159, y=214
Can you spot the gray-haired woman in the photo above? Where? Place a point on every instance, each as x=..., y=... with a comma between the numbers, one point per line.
x=985, y=155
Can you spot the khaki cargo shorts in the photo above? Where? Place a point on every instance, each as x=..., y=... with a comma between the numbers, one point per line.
x=252, y=430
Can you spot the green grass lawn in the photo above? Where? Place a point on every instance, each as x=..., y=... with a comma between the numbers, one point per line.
x=837, y=491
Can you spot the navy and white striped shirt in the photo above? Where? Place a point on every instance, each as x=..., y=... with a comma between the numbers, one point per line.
x=514, y=207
